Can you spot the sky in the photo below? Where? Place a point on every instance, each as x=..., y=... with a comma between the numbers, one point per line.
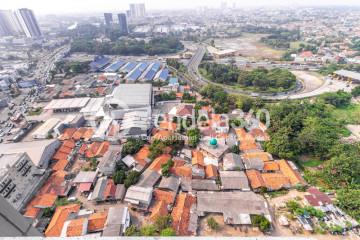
x=72, y=6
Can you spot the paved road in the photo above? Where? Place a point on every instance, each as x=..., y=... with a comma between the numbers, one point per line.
x=195, y=78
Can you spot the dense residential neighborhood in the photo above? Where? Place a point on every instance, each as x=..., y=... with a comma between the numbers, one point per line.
x=210, y=122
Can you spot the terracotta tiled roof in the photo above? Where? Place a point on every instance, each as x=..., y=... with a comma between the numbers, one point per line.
x=96, y=221
x=181, y=213
x=181, y=171
x=168, y=125
x=75, y=227
x=79, y=133
x=32, y=212
x=142, y=155
x=255, y=179
x=97, y=149
x=240, y=133
x=156, y=164
x=60, y=216
x=179, y=95
x=248, y=145
x=275, y=181
x=69, y=143
x=264, y=156
x=211, y=171
x=67, y=134
x=60, y=155
x=60, y=165
x=257, y=133
x=88, y=134
x=162, y=135
x=165, y=196
x=110, y=189
x=160, y=208
x=271, y=166
x=294, y=176
x=83, y=149
x=197, y=158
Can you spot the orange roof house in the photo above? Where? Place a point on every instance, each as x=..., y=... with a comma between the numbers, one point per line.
x=247, y=146
x=271, y=166
x=142, y=156
x=67, y=134
x=77, y=227
x=88, y=134
x=293, y=176
x=197, y=158
x=166, y=196
x=181, y=171
x=60, y=216
x=60, y=165
x=168, y=126
x=97, y=149
x=264, y=156
x=159, y=209
x=211, y=171
x=79, y=133
x=162, y=159
x=162, y=135
x=255, y=179
x=181, y=213
x=39, y=202
x=96, y=221
x=259, y=135
x=275, y=181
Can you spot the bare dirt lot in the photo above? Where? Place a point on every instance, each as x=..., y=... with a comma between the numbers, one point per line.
x=249, y=45
x=311, y=80
x=226, y=230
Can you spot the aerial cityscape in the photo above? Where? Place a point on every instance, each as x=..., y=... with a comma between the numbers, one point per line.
x=161, y=118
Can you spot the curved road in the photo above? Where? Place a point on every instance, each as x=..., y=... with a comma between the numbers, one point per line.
x=329, y=85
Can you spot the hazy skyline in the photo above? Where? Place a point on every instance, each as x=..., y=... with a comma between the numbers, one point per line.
x=69, y=6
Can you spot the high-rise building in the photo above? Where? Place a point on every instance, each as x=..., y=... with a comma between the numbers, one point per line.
x=137, y=10
x=123, y=23
x=108, y=19
x=9, y=24
x=28, y=22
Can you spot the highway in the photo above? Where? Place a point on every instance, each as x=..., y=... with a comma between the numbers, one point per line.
x=301, y=91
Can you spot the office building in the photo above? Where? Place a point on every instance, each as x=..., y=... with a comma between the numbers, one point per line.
x=19, y=179
x=13, y=224
x=28, y=22
x=137, y=10
x=9, y=24
x=123, y=23
x=108, y=19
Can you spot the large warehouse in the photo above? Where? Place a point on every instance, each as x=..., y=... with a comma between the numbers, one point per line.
x=347, y=75
x=67, y=104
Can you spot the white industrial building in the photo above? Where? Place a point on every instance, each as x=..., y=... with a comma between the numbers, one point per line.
x=40, y=152
x=67, y=104
x=46, y=128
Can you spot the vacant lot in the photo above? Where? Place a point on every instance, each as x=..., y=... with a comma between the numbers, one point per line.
x=226, y=230
x=249, y=45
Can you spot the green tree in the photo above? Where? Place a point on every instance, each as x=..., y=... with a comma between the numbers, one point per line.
x=211, y=222
x=132, y=146
x=132, y=178
x=261, y=222
x=132, y=230
x=165, y=168
x=119, y=177
x=193, y=136
x=148, y=230
x=356, y=91
x=163, y=222
x=168, y=232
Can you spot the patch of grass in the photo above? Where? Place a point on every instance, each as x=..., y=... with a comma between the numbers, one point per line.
x=35, y=112
x=277, y=193
x=311, y=163
x=348, y=115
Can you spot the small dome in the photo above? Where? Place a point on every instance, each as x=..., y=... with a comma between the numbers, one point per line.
x=213, y=142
